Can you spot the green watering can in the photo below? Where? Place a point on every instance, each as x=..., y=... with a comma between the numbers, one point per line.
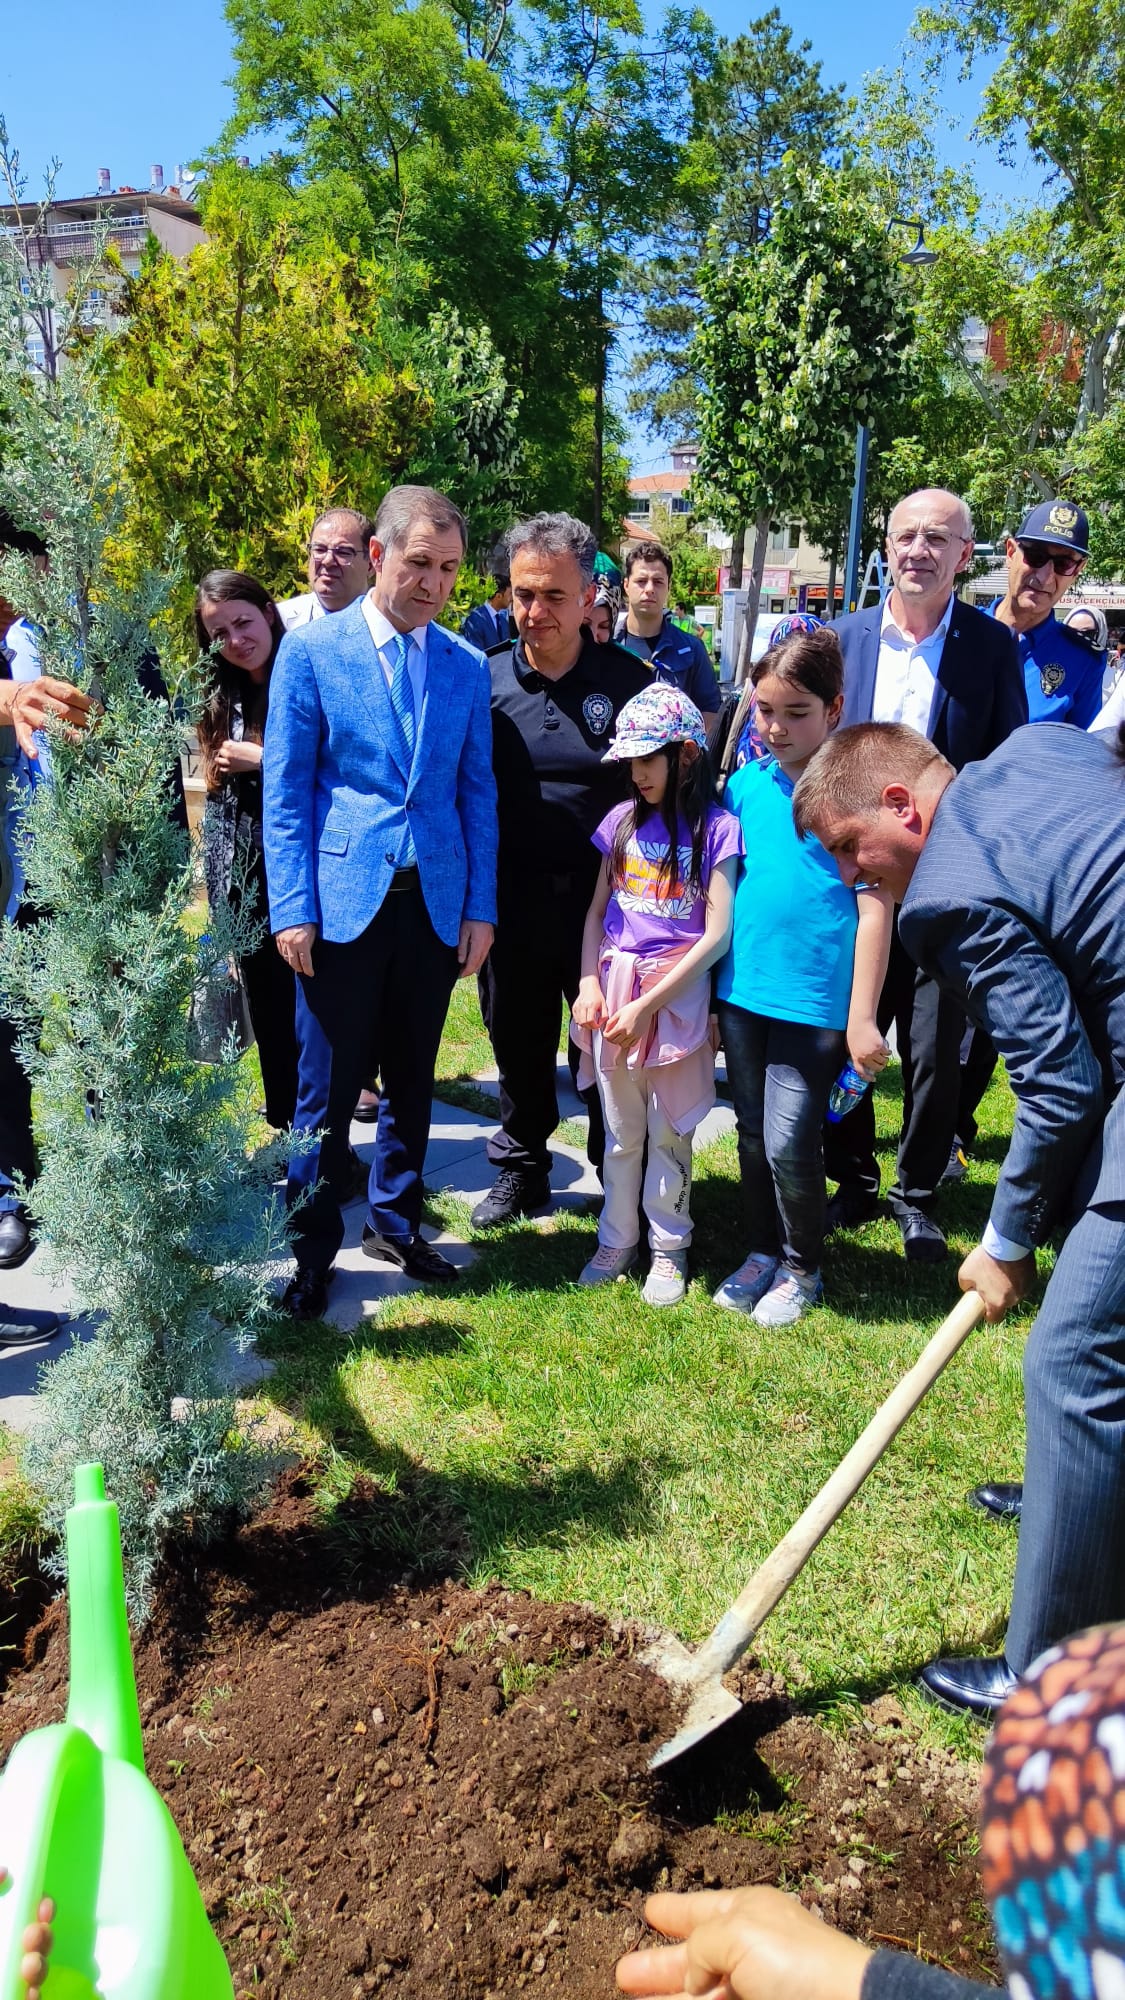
x=80, y=1822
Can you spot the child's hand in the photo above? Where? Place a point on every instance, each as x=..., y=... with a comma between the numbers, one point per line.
x=628, y=1024
x=37, y=1942
x=714, y=1033
x=588, y=1010
x=867, y=1049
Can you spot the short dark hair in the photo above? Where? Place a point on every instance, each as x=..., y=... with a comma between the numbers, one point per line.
x=811, y=660
x=500, y=566
x=650, y=552
x=404, y=505
x=364, y=528
x=847, y=777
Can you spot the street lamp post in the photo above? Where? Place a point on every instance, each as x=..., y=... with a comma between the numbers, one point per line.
x=918, y=255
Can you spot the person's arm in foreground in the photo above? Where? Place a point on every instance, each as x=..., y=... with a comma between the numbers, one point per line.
x=37, y=1942
x=866, y=1046
x=27, y=705
x=631, y=1022
x=589, y=1002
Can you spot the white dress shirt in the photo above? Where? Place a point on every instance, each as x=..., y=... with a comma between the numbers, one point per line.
x=302, y=610
x=385, y=635
x=906, y=673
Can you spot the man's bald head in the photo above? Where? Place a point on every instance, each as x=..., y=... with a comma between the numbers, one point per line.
x=869, y=796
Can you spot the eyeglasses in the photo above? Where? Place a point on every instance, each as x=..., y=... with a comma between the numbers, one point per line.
x=1064, y=562
x=937, y=540
x=342, y=551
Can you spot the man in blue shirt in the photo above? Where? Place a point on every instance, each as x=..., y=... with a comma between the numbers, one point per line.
x=646, y=629
x=1046, y=553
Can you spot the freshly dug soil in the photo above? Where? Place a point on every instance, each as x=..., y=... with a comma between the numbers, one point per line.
x=444, y=1791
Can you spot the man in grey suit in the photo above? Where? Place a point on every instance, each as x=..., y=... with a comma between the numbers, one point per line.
x=1011, y=879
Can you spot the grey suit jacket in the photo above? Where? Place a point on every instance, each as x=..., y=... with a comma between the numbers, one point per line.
x=1017, y=907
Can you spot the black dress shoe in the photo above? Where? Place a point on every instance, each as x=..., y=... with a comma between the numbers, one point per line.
x=957, y=1166
x=22, y=1326
x=980, y=1686
x=15, y=1239
x=850, y=1208
x=366, y=1114
x=412, y=1254
x=306, y=1294
x=922, y=1240
x=1000, y=1497
x=513, y=1193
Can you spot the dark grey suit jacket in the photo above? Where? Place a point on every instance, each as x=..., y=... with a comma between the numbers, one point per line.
x=979, y=696
x=1017, y=907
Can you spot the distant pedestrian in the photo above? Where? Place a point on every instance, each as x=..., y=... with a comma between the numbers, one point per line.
x=490, y=625
x=678, y=657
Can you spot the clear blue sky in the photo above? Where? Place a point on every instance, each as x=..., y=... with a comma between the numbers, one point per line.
x=143, y=84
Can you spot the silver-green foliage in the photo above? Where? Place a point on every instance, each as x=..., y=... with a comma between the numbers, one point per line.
x=163, y=1222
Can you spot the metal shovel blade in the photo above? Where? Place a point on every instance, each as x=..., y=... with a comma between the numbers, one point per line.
x=701, y=1672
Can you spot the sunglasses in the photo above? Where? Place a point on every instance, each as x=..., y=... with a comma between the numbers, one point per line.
x=1063, y=562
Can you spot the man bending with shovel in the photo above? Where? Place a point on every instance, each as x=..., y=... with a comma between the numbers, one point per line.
x=1011, y=881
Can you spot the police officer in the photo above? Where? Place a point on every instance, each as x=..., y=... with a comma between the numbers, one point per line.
x=555, y=698
x=646, y=629
x=1046, y=553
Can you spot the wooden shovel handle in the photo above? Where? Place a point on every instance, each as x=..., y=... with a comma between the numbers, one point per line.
x=769, y=1584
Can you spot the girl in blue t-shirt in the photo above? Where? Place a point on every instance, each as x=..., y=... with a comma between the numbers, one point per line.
x=659, y=920
x=804, y=969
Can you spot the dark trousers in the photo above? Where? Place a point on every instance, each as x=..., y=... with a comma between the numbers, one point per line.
x=929, y=1026
x=534, y=965
x=780, y=1074
x=271, y=990
x=387, y=988
x=978, y=1060
x=17, y=1151
x=1070, y=1570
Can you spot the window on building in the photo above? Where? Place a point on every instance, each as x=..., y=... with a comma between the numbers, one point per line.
x=36, y=352
x=639, y=509
x=680, y=505
x=794, y=534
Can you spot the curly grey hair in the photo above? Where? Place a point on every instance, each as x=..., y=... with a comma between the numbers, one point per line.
x=555, y=535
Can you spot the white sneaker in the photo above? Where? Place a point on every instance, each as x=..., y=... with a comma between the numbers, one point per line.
x=742, y=1290
x=788, y=1297
x=667, y=1279
x=606, y=1264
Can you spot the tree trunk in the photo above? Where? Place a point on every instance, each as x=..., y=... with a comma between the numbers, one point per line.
x=738, y=556
x=754, y=594
x=599, y=418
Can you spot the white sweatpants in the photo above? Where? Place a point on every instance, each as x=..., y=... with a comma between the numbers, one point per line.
x=631, y=1113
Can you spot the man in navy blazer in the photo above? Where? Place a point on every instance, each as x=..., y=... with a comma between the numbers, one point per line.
x=1011, y=880
x=380, y=849
x=923, y=658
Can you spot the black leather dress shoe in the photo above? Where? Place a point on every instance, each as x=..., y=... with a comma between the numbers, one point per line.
x=412, y=1254
x=980, y=1686
x=22, y=1326
x=922, y=1240
x=306, y=1294
x=15, y=1239
x=999, y=1497
x=512, y=1194
x=850, y=1208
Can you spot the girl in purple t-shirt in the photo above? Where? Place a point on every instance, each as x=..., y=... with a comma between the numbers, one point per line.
x=659, y=920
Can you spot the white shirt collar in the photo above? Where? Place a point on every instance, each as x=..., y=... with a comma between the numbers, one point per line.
x=384, y=633
x=937, y=637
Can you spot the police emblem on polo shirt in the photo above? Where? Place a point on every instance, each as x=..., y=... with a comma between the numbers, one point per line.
x=1051, y=678
x=598, y=710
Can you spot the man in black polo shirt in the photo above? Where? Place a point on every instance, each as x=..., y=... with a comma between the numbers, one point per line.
x=555, y=698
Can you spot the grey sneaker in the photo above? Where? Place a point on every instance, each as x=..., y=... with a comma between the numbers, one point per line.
x=788, y=1297
x=667, y=1279
x=606, y=1264
x=742, y=1290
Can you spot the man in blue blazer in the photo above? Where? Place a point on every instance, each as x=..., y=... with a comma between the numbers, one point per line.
x=923, y=658
x=380, y=849
x=1011, y=880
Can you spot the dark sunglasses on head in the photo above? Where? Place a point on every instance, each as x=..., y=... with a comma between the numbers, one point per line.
x=1064, y=562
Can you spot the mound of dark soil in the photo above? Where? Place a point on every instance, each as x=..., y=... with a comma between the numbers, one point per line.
x=445, y=1791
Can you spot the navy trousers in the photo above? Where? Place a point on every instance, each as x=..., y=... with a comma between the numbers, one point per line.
x=1070, y=1570
x=389, y=989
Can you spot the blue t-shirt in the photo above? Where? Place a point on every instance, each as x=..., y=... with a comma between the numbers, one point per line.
x=1063, y=674
x=793, y=943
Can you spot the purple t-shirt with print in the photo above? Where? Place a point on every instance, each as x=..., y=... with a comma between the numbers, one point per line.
x=648, y=913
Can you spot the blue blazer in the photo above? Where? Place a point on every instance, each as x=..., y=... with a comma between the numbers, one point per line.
x=1017, y=908
x=337, y=795
x=979, y=696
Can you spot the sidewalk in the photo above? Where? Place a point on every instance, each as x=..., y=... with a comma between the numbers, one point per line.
x=456, y=1162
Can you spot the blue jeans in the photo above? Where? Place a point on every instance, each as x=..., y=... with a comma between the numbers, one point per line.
x=780, y=1074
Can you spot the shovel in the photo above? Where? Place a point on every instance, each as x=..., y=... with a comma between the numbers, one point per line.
x=701, y=1673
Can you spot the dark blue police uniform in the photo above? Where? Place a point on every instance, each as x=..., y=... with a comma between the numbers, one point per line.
x=1062, y=673
x=681, y=659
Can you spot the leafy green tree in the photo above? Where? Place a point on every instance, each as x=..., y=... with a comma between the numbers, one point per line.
x=801, y=338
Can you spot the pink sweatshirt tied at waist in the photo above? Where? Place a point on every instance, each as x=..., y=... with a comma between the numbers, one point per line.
x=677, y=1047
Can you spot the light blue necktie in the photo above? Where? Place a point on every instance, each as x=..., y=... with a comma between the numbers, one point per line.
x=402, y=692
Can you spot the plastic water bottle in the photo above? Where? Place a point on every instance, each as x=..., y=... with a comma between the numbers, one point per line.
x=846, y=1092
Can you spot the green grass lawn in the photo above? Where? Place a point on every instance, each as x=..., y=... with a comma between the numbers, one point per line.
x=583, y=1445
